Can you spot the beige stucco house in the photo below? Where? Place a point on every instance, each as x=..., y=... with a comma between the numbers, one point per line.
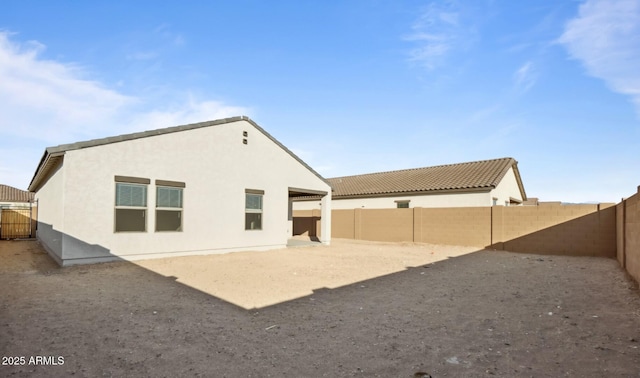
x=471, y=184
x=210, y=187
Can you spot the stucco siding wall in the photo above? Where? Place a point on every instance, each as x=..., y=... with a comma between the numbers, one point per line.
x=507, y=188
x=431, y=200
x=50, y=213
x=216, y=167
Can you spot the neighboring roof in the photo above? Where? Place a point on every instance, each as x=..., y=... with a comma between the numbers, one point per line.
x=53, y=155
x=471, y=176
x=11, y=194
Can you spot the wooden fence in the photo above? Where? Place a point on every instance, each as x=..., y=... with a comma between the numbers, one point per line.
x=17, y=222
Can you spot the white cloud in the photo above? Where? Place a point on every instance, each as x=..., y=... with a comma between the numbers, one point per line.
x=191, y=111
x=437, y=32
x=45, y=103
x=434, y=33
x=525, y=77
x=605, y=37
x=41, y=98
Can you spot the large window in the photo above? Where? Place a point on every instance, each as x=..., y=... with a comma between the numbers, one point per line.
x=169, y=206
x=253, y=209
x=131, y=204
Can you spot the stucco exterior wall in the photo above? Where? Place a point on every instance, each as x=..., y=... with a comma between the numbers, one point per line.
x=467, y=199
x=216, y=168
x=50, y=213
x=507, y=188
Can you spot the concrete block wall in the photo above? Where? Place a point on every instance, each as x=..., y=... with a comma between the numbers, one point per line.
x=307, y=222
x=628, y=234
x=620, y=233
x=343, y=224
x=393, y=225
x=605, y=230
x=581, y=230
x=454, y=225
x=585, y=230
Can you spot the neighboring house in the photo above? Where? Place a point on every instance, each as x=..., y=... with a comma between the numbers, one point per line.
x=17, y=213
x=478, y=183
x=11, y=197
x=210, y=187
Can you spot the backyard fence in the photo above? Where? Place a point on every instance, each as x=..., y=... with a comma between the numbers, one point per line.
x=585, y=230
x=605, y=230
x=17, y=222
x=628, y=234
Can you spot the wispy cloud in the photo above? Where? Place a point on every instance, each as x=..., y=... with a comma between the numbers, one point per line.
x=190, y=111
x=41, y=98
x=142, y=55
x=605, y=37
x=46, y=102
x=525, y=77
x=436, y=33
x=169, y=35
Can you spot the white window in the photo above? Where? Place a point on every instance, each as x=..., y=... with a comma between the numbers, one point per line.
x=253, y=209
x=131, y=206
x=169, y=208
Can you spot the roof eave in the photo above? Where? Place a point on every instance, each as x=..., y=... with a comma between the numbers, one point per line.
x=57, y=151
x=516, y=171
x=49, y=159
x=274, y=140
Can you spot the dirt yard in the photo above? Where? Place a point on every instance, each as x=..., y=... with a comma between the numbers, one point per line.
x=352, y=309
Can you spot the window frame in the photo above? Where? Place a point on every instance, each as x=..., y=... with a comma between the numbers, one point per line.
x=173, y=185
x=247, y=211
x=403, y=202
x=134, y=182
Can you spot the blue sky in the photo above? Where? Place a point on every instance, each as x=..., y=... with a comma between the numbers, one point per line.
x=350, y=86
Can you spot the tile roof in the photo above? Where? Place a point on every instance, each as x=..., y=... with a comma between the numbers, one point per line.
x=11, y=194
x=453, y=177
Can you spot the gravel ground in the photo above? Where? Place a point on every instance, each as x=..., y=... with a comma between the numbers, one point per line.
x=360, y=309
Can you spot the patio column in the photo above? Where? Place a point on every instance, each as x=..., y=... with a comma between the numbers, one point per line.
x=325, y=219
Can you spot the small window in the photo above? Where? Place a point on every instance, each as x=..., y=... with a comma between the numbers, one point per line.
x=253, y=210
x=402, y=204
x=168, y=209
x=131, y=207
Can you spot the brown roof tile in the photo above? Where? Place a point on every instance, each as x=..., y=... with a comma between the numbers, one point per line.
x=11, y=194
x=471, y=175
